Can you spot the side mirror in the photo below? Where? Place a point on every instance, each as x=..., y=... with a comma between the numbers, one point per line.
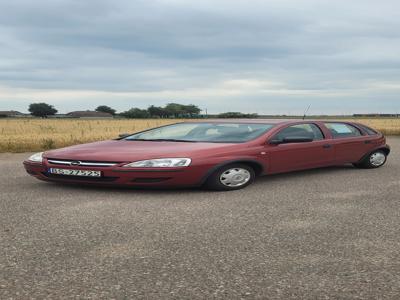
x=275, y=142
x=124, y=135
x=292, y=139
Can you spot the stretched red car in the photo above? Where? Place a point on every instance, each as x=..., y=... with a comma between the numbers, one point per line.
x=220, y=154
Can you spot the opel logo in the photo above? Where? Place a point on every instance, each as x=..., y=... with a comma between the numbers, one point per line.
x=75, y=163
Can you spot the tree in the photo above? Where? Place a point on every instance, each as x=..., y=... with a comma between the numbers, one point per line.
x=42, y=110
x=106, y=109
x=136, y=113
x=156, y=111
x=174, y=110
x=177, y=110
x=192, y=110
x=237, y=115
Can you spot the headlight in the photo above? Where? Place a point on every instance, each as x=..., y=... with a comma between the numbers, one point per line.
x=160, y=163
x=37, y=157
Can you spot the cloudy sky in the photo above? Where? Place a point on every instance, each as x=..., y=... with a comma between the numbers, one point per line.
x=270, y=56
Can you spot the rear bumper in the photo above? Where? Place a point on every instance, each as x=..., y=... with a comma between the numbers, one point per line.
x=178, y=177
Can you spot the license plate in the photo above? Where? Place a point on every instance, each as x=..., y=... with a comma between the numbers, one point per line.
x=68, y=172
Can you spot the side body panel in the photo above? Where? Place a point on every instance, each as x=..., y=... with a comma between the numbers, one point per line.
x=299, y=156
x=353, y=149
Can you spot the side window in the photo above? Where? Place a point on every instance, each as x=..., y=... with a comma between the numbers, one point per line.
x=342, y=130
x=300, y=130
x=370, y=131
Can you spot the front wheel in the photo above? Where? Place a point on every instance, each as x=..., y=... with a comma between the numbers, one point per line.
x=375, y=160
x=231, y=177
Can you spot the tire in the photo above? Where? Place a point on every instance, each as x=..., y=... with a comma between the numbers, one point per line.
x=374, y=160
x=231, y=177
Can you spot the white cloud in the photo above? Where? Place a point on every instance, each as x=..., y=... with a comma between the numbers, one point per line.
x=270, y=56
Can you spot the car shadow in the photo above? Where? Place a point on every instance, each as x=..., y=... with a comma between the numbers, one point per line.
x=194, y=190
x=309, y=172
x=125, y=189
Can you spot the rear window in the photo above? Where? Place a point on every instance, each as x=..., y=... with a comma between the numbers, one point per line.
x=368, y=130
x=342, y=130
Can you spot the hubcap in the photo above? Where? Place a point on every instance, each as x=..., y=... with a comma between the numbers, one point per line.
x=377, y=159
x=235, y=177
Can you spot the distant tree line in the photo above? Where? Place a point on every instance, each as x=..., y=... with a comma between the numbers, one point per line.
x=237, y=115
x=171, y=110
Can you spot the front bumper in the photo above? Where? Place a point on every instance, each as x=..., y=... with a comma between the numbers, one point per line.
x=117, y=176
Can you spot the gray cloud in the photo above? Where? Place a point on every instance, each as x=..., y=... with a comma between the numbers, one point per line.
x=269, y=57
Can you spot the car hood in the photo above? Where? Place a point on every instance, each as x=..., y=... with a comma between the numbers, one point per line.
x=126, y=151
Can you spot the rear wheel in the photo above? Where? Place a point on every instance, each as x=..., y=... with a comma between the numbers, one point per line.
x=375, y=160
x=231, y=177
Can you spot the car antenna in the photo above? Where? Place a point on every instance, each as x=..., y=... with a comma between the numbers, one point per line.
x=306, y=111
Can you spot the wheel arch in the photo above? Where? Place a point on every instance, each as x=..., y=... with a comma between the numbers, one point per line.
x=385, y=149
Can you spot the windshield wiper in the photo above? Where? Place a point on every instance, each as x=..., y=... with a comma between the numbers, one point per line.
x=163, y=140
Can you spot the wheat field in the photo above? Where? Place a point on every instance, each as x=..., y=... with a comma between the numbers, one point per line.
x=29, y=135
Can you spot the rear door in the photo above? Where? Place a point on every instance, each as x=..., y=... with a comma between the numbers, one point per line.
x=296, y=156
x=349, y=143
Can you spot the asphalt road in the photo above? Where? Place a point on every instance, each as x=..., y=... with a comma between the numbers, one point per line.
x=321, y=234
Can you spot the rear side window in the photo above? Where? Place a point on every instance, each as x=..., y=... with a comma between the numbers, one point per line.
x=300, y=130
x=368, y=130
x=342, y=130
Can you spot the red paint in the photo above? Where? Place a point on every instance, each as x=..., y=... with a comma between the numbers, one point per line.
x=206, y=156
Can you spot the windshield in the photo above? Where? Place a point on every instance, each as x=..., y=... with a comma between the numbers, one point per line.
x=204, y=132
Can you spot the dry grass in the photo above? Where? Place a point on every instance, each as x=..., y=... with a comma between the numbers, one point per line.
x=28, y=135
x=388, y=126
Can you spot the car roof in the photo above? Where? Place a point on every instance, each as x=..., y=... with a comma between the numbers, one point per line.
x=246, y=121
x=268, y=121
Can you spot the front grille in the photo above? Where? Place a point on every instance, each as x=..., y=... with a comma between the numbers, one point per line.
x=81, y=178
x=78, y=163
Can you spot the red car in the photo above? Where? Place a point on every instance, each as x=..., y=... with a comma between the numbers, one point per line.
x=220, y=154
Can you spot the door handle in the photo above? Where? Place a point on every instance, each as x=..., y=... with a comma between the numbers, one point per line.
x=327, y=146
x=367, y=142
